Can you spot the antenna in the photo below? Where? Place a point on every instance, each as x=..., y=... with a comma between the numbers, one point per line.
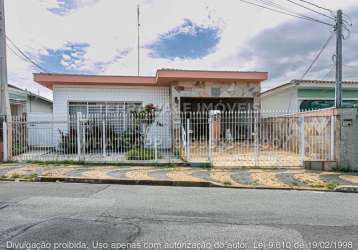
x=138, y=39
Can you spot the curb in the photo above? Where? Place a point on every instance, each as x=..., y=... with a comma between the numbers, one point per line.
x=169, y=183
x=127, y=181
x=347, y=189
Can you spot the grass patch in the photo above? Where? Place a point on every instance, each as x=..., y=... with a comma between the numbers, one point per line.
x=171, y=165
x=3, y=177
x=295, y=183
x=227, y=183
x=15, y=176
x=142, y=154
x=343, y=169
x=332, y=185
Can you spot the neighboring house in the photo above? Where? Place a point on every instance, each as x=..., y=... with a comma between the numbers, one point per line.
x=307, y=95
x=178, y=90
x=22, y=101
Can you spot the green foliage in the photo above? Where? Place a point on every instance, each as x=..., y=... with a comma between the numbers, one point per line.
x=344, y=169
x=227, y=183
x=15, y=176
x=18, y=149
x=141, y=154
x=332, y=185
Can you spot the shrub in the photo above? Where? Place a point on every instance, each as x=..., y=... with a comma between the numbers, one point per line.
x=141, y=154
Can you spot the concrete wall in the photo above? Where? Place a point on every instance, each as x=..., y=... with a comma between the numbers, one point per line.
x=347, y=146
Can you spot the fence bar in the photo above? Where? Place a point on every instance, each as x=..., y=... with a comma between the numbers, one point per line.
x=78, y=137
x=332, y=139
x=188, y=139
x=302, y=139
x=5, y=141
x=104, y=137
x=210, y=143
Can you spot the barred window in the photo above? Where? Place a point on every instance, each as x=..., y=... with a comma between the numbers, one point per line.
x=101, y=108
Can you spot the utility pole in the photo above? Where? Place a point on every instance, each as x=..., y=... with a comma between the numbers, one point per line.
x=338, y=90
x=5, y=112
x=138, y=30
x=4, y=95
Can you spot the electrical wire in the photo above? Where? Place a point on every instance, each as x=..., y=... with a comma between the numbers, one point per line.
x=317, y=6
x=351, y=66
x=318, y=55
x=307, y=8
x=326, y=76
x=23, y=55
x=280, y=7
x=287, y=13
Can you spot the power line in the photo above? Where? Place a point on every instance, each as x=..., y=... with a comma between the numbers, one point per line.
x=23, y=55
x=280, y=7
x=318, y=55
x=307, y=8
x=267, y=4
x=317, y=6
x=351, y=66
x=329, y=72
x=287, y=13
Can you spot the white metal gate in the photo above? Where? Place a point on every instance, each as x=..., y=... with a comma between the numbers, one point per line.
x=250, y=138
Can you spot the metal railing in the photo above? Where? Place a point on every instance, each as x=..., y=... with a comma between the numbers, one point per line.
x=246, y=138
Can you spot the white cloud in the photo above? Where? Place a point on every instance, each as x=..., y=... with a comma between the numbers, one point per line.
x=109, y=27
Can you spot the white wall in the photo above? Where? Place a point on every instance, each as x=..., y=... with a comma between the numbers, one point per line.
x=62, y=95
x=282, y=99
x=38, y=105
x=158, y=96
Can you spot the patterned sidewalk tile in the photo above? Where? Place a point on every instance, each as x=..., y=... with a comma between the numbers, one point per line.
x=267, y=179
x=160, y=174
x=350, y=178
x=280, y=178
x=183, y=174
x=223, y=177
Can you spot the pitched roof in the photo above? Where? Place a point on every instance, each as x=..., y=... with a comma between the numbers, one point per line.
x=162, y=77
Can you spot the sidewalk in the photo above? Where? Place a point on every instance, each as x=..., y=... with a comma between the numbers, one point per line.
x=182, y=176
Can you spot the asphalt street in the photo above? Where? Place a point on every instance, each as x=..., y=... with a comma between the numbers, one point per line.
x=92, y=216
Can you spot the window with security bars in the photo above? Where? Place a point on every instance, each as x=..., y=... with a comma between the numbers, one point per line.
x=115, y=114
x=102, y=108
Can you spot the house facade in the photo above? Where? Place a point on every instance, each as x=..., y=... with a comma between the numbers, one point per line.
x=308, y=95
x=169, y=90
x=176, y=90
x=24, y=102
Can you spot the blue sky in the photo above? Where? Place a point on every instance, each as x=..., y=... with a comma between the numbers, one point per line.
x=66, y=60
x=186, y=41
x=100, y=37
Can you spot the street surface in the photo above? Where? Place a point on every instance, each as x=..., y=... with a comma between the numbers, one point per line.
x=92, y=216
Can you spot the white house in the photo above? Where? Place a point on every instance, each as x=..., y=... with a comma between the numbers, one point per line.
x=307, y=95
x=172, y=90
x=23, y=101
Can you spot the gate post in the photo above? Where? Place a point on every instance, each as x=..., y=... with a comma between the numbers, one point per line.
x=302, y=139
x=104, y=137
x=155, y=150
x=256, y=136
x=78, y=137
x=210, y=139
x=187, y=139
x=5, y=142
x=333, y=141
